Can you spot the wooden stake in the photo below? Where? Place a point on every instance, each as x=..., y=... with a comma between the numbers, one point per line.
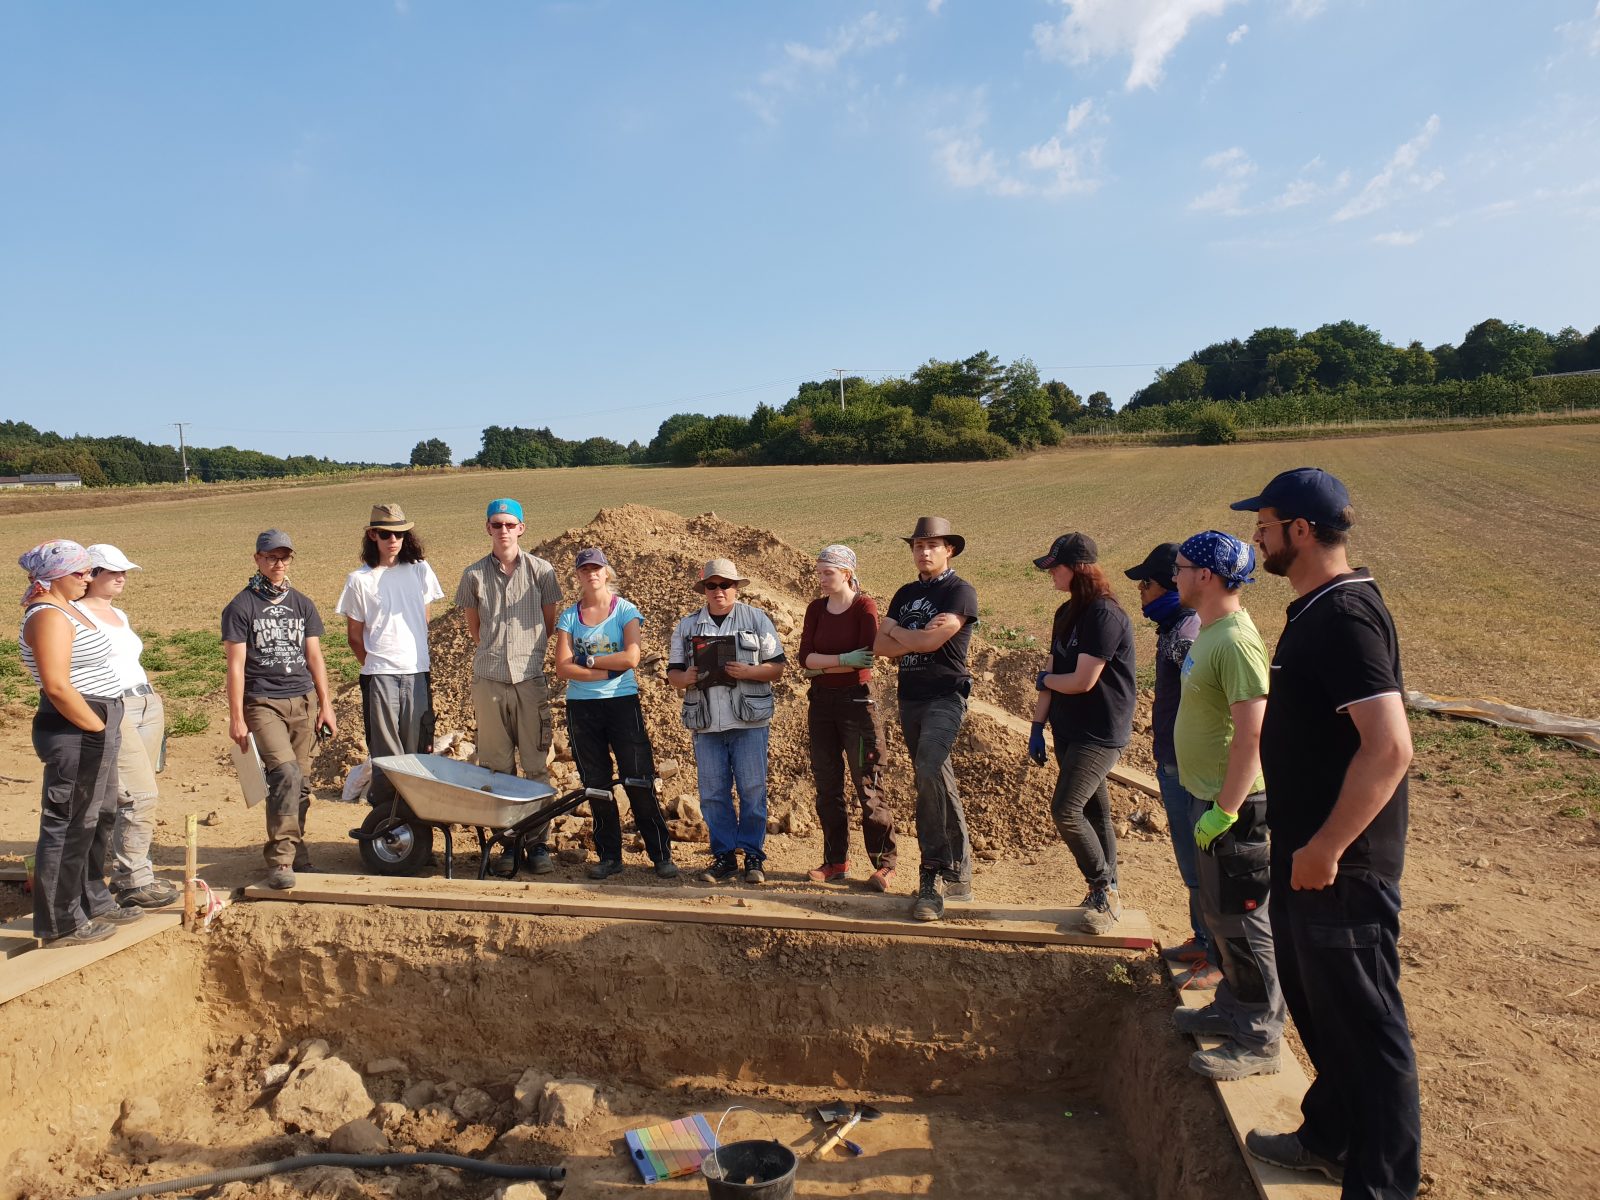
x=191, y=827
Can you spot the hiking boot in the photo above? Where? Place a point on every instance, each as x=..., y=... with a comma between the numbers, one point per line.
x=1190, y=952
x=281, y=878
x=1285, y=1150
x=666, y=869
x=1234, y=1060
x=828, y=872
x=957, y=891
x=84, y=935
x=723, y=868
x=151, y=895
x=878, y=881
x=606, y=868
x=1202, y=977
x=1102, y=912
x=929, y=905
x=540, y=862
x=752, y=870
x=119, y=915
x=1206, y=1021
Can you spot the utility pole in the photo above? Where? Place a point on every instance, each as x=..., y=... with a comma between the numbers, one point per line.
x=839, y=371
x=183, y=451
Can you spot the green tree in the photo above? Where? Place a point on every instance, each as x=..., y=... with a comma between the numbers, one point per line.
x=1066, y=406
x=1350, y=354
x=1414, y=365
x=1496, y=347
x=1292, y=370
x=1019, y=410
x=1098, y=405
x=431, y=453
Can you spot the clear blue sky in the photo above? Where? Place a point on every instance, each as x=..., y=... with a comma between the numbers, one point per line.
x=338, y=228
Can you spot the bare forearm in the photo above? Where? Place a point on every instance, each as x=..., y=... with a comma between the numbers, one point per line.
x=1244, y=768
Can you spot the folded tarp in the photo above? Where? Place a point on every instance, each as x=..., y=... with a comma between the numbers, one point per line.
x=1582, y=733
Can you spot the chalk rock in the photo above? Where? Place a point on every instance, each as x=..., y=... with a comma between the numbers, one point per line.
x=472, y=1104
x=526, y=1189
x=529, y=1090
x=419, y=1093
x=320, y=1096
x=140, y=1114
x=272, y=1076
x=689, y=809
x=385, y=1066
x=360, y=1136
x=390, y=1114
x=566, y=1103
x=329, y=1183
x=310, y=1050
x=465, y=750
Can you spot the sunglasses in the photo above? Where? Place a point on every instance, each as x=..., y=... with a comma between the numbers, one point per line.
x=389, y=534
x=719, y=585
x=504, y=524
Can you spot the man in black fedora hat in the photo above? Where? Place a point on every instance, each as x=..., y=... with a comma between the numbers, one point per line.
x=927, y=629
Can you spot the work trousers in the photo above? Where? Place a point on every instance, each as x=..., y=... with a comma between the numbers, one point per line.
x=286, y=737
x=930, y=728
x=609, y=734
x=722, y=760
x=1081, y=807
x=847, y=735
x=77, y=808
x=1177, y=801
x=144, y=724
x=1249, y=994
x=515, y=727
x=397, y=718
x=1340, y=970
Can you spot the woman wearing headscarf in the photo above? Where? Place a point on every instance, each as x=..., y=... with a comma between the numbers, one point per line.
x=597, y=649
x=75, y=734
x=840, y=627
x=133, y=879
x=1086, y=694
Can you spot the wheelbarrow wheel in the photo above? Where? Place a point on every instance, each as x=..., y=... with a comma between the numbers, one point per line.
x=392, y=845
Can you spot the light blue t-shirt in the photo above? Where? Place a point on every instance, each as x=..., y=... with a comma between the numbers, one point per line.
x=604, y=638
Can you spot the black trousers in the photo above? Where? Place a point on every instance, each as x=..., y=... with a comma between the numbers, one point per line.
x=77, y=809
x=847, y=735
x=1081, y=807
x=599, y=730
x=1339, y=969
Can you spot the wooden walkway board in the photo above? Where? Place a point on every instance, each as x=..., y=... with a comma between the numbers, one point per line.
x=837, y=913
x=16, y=937
x=1264, y=1102
x=35, y=968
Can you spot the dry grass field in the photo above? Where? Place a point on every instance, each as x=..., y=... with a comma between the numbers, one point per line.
x=1484, y=541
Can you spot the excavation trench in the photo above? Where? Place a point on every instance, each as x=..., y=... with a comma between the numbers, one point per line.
x=1001, y=1070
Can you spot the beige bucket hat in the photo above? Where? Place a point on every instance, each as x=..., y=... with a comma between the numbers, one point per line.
x=719, y=568
x=390, y=517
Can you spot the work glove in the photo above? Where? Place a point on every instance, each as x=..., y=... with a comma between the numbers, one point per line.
x=813, y=672
x=1213, y=823
x=582, y=658
x=1038, y=684
x=1036, y=754
x=859, y=659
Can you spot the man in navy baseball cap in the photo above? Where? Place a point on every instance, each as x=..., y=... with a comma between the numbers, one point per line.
x=1308, y=493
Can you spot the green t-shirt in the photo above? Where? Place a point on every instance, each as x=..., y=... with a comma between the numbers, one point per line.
x=1226, y=664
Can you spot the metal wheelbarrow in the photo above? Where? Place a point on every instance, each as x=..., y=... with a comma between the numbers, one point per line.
x=434, y=792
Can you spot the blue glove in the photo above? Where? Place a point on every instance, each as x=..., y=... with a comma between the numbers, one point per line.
x=1038, y=683
x=859, y=659
x=582, y=658
x=1036, y=753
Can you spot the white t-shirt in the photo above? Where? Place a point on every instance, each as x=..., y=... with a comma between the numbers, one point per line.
x=392, y=602
x=126, y=647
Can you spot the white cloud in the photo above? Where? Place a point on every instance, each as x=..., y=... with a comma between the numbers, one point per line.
x=1398, y=237
x=1306, y=9
x=1584, y=34
x=934, y=6
x=1235, y=167
x=1399, y=176
x=1147, y=31
x=802, y=63
x=1056, y=167
x=1079, y=113
x=1237, y=35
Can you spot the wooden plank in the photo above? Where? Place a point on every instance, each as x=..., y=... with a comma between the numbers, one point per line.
x=16, y=937
x=1263, y=1102
x=833, y=913
x=1122, y=773
x=39, y=967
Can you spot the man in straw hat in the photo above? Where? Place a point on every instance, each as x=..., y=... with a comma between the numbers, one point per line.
x=927, y=629
x=724, y=658
x=385, y=607
x=509, y=598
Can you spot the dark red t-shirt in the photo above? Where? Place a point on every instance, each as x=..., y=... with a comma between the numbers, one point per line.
x=829, y=633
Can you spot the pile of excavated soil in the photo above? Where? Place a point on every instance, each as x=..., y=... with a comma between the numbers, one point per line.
x=657, y=556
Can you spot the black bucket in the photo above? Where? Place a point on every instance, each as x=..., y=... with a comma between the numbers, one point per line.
x=756, y=1170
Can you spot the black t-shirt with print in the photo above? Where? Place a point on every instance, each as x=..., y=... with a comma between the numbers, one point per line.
x=944, y=671
x=1338, y=648
x=1102, y=716
x=274, y=637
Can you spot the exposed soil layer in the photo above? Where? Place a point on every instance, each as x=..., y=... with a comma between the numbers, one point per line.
x=1000, y=1069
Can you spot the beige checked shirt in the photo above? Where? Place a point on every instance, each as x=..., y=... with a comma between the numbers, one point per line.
x=511, y=631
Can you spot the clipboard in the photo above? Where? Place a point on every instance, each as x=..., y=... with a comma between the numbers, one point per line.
x=252, y=774
x=712, y=654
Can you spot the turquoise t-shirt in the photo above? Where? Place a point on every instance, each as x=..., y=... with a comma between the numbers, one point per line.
x=604, y=638
x=1226, y=664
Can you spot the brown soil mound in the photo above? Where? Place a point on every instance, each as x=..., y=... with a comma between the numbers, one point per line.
x=657, y=556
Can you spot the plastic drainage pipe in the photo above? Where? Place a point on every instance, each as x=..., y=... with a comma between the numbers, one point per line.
x=370, y=1162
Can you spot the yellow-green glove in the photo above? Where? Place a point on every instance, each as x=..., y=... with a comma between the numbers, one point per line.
x=1213, y=823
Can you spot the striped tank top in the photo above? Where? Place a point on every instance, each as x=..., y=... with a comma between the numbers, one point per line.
x=92, y=675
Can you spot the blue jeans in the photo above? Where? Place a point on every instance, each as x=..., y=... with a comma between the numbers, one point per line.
x=723, y=760
x=1176, y=799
